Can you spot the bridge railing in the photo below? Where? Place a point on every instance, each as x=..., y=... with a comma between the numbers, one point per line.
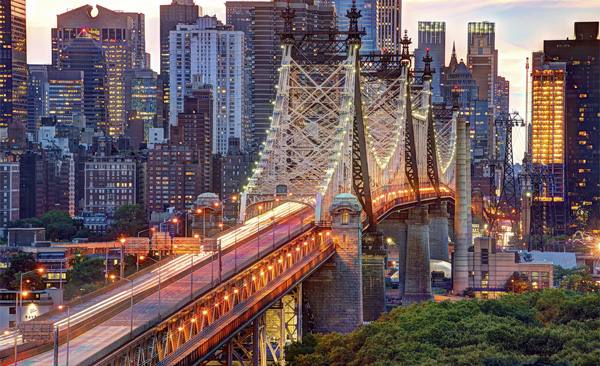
x=233, y=295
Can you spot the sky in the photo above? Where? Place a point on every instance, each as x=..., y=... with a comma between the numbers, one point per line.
x=521, y=27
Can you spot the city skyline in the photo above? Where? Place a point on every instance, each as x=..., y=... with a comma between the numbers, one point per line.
x=554, y=19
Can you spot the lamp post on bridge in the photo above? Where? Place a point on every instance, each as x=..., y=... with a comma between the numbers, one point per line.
x=113, y=277
x=159, y=262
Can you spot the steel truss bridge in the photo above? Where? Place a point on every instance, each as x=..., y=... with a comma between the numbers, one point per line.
x=342, y=123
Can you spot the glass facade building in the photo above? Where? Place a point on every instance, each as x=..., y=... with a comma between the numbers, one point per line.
x=368, y=21
x=13, y=68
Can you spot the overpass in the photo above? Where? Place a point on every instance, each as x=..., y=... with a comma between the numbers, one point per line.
x=353, y=141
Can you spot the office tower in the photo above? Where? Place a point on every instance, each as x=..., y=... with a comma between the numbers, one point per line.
x=194, y=130
x=457, y=78
x=122, y=38
x=548, y=136
x=37, y=96
x=262, y=24
x=389, y=26
x=110, y=182
x=502, y=98
x=178, y=12
x=9, y=191
x=141, y=104
x=13, y=69
x=86, y=55
x=432, y=37
x=207, y=53
x=482, y=58
x=582, y=108
x=65, y=102
x=47, y=182
x=171, y=178
x=368, y=21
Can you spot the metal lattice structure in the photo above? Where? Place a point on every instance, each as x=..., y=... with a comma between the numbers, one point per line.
x=346, y=123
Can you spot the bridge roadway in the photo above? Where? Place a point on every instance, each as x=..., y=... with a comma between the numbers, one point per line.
x=241, y=243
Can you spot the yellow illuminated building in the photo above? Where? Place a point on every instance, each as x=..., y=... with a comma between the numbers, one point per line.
x=548, y=125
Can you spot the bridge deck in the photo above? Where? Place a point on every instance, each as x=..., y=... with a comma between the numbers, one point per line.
x=174, y=295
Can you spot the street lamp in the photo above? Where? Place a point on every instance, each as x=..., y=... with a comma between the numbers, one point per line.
x=122, y=260
x=113, y=277
x=159, y=265
x=21, y=294
x=61, y=307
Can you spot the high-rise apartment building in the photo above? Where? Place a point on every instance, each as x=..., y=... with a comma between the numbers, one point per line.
x=581, y=56
x=178, y=12
x=389, y=26
x=502, y=105
x=86, y=55
x=548, y=136
x=262, y=24
x=368, y=21
x=208, y=53
x=482, y=58
x=13, y=68
x=432, y=37
x=110, y=182
x=194, y=130
x=141, y=104
x=9, y=192
x=122, y=37
x=171, y=178
x=47, y=182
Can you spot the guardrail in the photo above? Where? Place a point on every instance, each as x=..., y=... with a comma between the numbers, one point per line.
x=246, y=270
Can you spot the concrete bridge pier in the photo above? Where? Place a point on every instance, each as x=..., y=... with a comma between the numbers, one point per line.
x=334, y=293
x=417, y=287
x=438, y=231
x=373, y=268
x=394, y=229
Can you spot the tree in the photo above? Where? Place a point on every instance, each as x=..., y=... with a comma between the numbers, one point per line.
x=129, y=220
x=518, y=283
x=86, y=275
x=59, y=225
x=21, y=263
x=551, y=327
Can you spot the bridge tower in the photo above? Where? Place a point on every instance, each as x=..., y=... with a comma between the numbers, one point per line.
x=335, y=292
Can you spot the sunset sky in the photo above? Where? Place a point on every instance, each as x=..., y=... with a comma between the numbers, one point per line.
x=521, y=27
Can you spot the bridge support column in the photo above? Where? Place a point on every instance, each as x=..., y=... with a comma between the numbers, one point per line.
x=373, y=273
x=418, y=273
x=334, y=292
x=460, y=274
x=438, y=231
x=395, y=228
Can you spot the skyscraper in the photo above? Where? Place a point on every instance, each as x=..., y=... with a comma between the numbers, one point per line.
x=548, y=136
x=85, y=54
x=65, y=96
x=122, y=37
x=141, y=104
x=389, y=25
x=368, y=21
x=262, y=23
x=482, y=58
x=208, y=53
x=13, y=68
x=432, y=37
x=178, y=12
x=582, y=108
x=37, y=96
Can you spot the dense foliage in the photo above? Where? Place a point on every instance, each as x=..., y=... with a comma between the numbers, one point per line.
x=21, y=263
x=553, y=327
x=129, y=221
x=86, y=275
